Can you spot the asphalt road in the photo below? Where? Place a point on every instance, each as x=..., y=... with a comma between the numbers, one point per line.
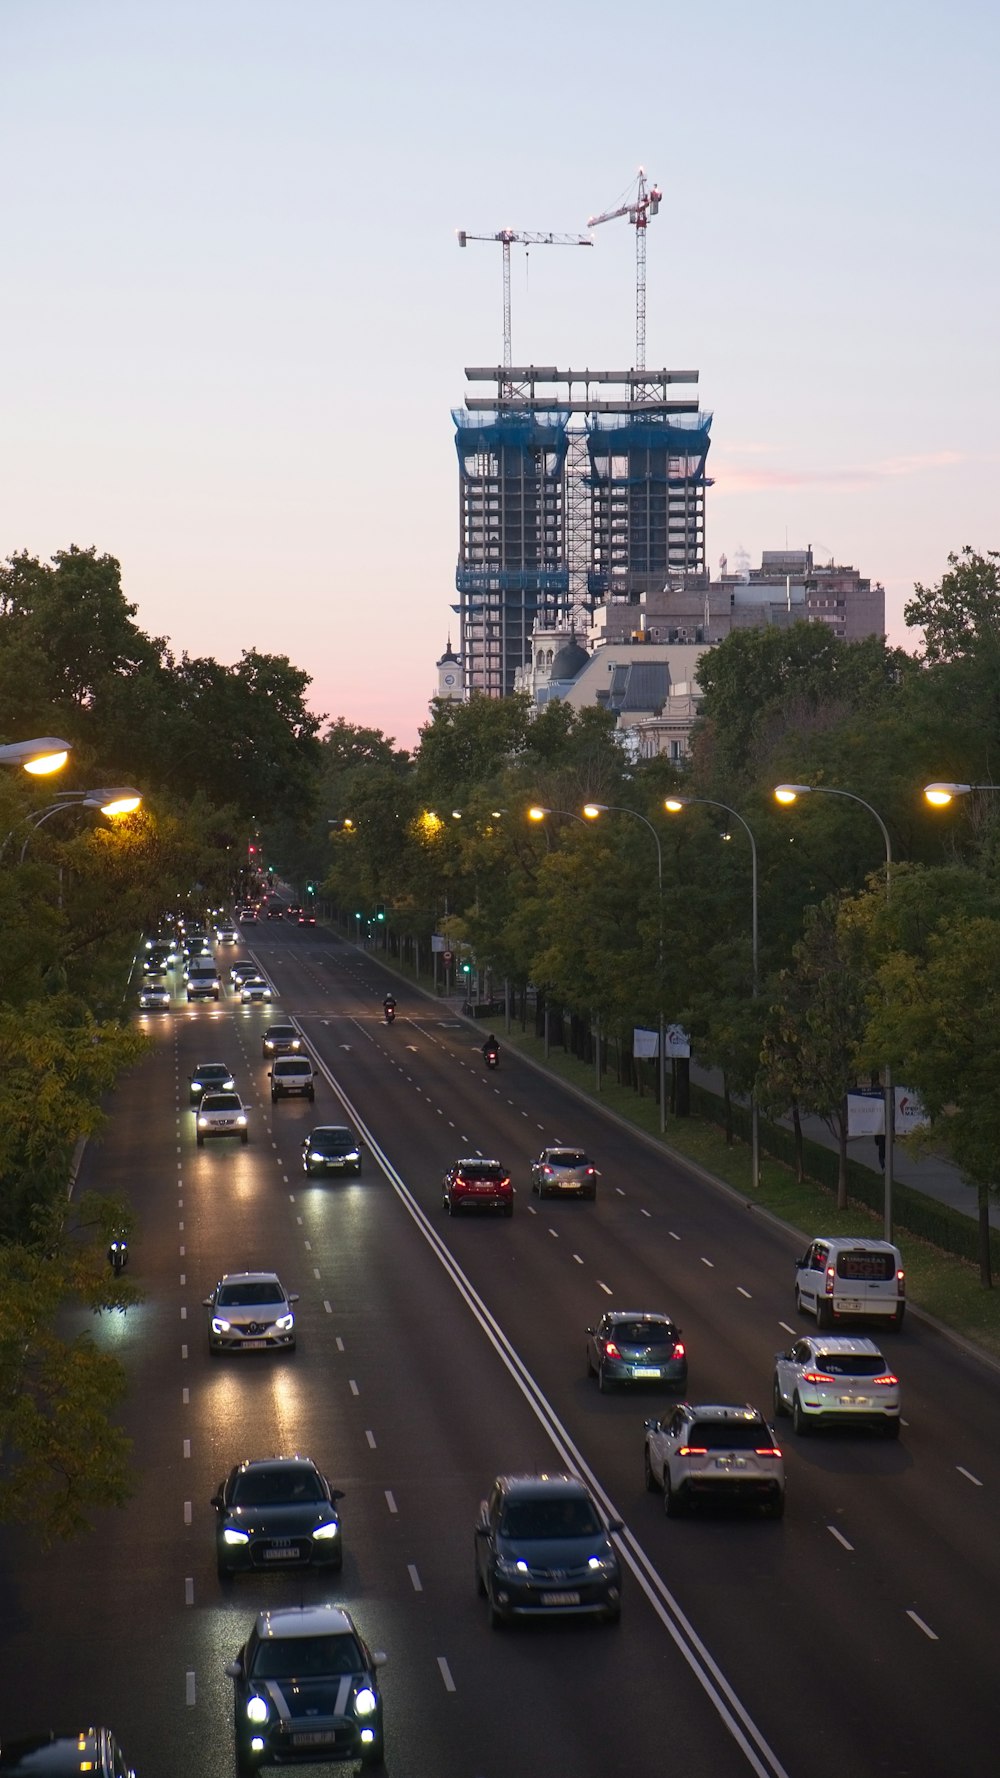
x=853, y=1637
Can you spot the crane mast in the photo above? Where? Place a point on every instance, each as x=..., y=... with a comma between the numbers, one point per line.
x=638, y=209
x=522, y=238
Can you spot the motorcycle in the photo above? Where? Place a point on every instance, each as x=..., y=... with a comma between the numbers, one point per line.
x=492, y=1058
x=390, y=1014
x=118, y=1255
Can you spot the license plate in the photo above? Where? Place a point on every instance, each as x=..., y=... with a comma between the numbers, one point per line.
x=560, y=1598
x=646, y=1370
x=730, y=1463
x=316, y=1738
x=283, y=1553
x=255, y=1345
x=849, y=1303
x=854, y=1401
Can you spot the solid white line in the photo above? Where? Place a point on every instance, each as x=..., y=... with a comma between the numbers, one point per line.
x=449, y=1683
x=928, y=1632
x=974, y=1479
x=353, y=1386
x=605, y=1287
x=189, y=1687
x=390, y=1501
x=187, y=1512
x=370, y=1436
x=708, y=1262
x=840, y=1537
x=418, y=1585
x=745, y=1293
x=189, y=1589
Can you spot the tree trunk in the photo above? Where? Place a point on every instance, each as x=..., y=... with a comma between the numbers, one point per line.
x=800, y=1165
x=985, y=1254
x=842, y=1159
x=728, y=1109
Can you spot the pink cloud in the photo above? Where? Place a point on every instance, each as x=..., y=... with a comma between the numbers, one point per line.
x=730, y=479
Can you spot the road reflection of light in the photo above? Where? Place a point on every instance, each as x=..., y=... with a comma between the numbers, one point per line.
x=265, y=1424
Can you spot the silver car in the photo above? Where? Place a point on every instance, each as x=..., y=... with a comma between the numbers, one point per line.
x=251, y=1311
x=636, y=1346
x=561, y=1171
x=831, y=1378
x=154, y=996
x=724, y=1451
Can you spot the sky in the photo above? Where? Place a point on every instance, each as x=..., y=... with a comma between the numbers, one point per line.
x=234, y=315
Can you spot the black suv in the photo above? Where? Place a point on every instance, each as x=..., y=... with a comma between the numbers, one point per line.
x=306, y=1690
x=543, y=1549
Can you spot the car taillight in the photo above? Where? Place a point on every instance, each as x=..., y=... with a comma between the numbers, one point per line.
x=888, y=1378
x=590, y=1172
x=830, y=1276
x=548, y=1172
x=458, y=1180
x=816, y=1377
x=693, y=1451
x=901, y=1283
x=768, y=1451
x=679, y=1349
x=611, y=1350
x=504, y=1183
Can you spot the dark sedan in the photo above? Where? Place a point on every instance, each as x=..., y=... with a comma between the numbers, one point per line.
x=276, y=1512
x=331, y=1148
x=210, y=1077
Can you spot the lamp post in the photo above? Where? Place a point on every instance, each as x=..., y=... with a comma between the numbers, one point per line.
x=120, y=800
x=39, y=756
x=940, y=795
x=788, y=793
x=537, y=813
x=673, y=805
x=592, y=811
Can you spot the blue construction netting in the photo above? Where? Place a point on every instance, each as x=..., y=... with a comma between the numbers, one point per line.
x=472, y=578
x=674, y=435
x=493, y=430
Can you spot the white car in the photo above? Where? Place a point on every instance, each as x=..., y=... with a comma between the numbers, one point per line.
x=220, y=1114
x=251, y=1311
x=561, y=1172
x=154, y=997
x=850, y=1276
x=226, y=935
x=724, y=1451
x=830, y=1378
x=253, y=988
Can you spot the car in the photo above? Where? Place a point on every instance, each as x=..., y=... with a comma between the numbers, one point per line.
x=307, y=919
x=306, y=1689
x=476, y=1183
x=721, y=1451
x=561, y=1171
x=154, y=969
x=276, y=1512
x=254, y=990
x=331, y=1148
x=210, y=1077
x=158, y=957
x=240, y=970
x=281, y=1040
x=543, y=1549
x=830, y=1378
x=636, y=1346
x=202, y=981
x=197, y=944
x=275, y=913
x=154, y=997
x=293, y=912
x=291, y=1077
x=851, y=1276
x=65, y=1754
x=226, y=935
x=251, y=1311
x=248, y=916
x=221, y=1114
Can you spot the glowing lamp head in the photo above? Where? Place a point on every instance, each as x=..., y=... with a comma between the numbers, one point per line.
x=44, y=763
x=536, y=813
x=593, y=810
x=940, y=795
x=787, y=793
x=674, y=804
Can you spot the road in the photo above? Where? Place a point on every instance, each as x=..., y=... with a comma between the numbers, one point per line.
x=853, y=1637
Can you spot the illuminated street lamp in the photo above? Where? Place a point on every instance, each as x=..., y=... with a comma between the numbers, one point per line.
x=114, y=802
x=40, y=756
x=940, y=795
x=788, y=793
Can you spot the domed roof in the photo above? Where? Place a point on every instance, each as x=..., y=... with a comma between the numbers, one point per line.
x=449, y=655
x=569, y=660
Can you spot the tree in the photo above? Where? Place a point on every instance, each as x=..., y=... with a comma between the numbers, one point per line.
x=960, y=615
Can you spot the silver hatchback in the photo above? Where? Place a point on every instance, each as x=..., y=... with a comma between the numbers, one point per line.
x=830, y=1378
x=636, y=1346
x=561, y=1172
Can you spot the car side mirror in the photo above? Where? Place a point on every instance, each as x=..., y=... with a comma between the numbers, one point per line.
x=482, y=1529
x=379, y=1658
x=232, y=1669
x=293, y=1296
x=270, y=1073
x=804, y=1261
x=208, y=1302
x=651, y=1425
x=589, y=1330
x=337, y=1494
x=616, y=1525
x=217, y=1499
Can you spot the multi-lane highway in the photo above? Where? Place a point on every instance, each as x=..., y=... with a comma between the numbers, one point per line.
x=854, y=1637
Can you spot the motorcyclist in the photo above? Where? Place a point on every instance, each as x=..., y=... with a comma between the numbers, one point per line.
x=491, y=1048
x=118, y=1254
x=389, y=1007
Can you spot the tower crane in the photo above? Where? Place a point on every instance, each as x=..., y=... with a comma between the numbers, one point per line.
x=638, y=209
x=523, y=238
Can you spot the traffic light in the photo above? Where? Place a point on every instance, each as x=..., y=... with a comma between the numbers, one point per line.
x=380, y=910
x=466, y=968
x=310, y=888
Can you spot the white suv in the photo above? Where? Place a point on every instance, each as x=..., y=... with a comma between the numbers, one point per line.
x=828, y=1378
x=714, y=1450
x=220, y=1114
x=842, y=1276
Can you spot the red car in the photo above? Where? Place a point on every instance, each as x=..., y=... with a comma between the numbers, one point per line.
x=478, y=1184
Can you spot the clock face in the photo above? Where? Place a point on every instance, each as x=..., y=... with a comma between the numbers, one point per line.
x=449, y=679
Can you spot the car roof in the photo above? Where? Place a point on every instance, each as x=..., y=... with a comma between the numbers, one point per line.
x=331, y=1130
x=722, y=1410
x=276, y=1030
x=208, y=1100
x=202, y=1066
x=638, y=1315
x=304, y=1620
x=833, y=1343
x=478, y=1160
x=565, y=1148
x=295, y=1461
x=250, y=1278
x=857, y=1243
x=541, y=1486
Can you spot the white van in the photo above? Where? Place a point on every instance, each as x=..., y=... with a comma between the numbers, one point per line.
x=202, y=980
x=291, y=1075
x=841, y=1277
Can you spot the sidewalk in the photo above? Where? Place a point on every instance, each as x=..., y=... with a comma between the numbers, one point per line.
x=926, y=1173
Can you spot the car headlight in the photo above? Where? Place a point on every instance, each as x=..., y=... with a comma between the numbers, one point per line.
x=284, y=1322
x=602, y=1564
x=220, y=1326
x=296, y=1044
x=507, y=1566
x=241, y=1121
x=228, y=1085
x=231, y=1535
x=203, y=1123
x=325, y=1532
x=257, y=1709
x=365, y=1701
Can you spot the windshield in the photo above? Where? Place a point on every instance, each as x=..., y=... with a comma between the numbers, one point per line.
x=276, y=1487
x=221, y=1102
x=306, y=1657
x=211, y=1071
x=244, y=1295
x=281, y=1033
x=332, y=1141
x=569, y=1515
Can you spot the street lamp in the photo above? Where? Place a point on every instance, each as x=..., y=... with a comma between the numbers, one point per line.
x=673, y=806
x=788, y=793
x=116, y=801
x=940, y=795
x=40, y=756
x=592, y=812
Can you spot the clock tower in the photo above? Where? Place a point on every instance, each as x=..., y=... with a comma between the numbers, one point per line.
x=449, y=672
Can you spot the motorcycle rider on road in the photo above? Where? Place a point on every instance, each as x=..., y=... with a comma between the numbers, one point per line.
x=491, y=1049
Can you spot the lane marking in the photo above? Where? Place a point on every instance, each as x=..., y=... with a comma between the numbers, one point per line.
x=187, y=1447
x=578, y=1259
x=418, y=1586
x=189, y=1695
x=619, y=1191
x=184, y=1313
x=449, y=1683
x=673, y=1237
x=390, y=1501
x=183, y=1279
x=327, y=1306
x=189, y=1589
x=974, y=1479
x=643, y=1212
x=180, y=1251
x=340, y=1344
x=187, y=1512
x=840, y=1538
x=370, y=1436
x=308, y=1246
x=185, y=1395
x=928, y=1632
x=353, y=1386
x=788, y=1330
x=184, y=1351
x=554, y=1233
x=710, y=1263
x=605, y=1287
x=316, y=1272
x=745, y=1293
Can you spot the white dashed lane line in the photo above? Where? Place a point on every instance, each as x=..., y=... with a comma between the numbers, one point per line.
x=578, y=1259
x=370, y=1436
x=187, y=1512
x=351, y=1384
x=340, y=1344
x=449, y=1683
x=974, y=1479
x=417, y=1583
x=787, y=1329
x=189, y=1589
x=643, y=1212
x=928, y=1632
x=745, y=1293
x=605, y=1287
x=841, y=1539
x=710, y=1263
x=390, y=1501
x=189, y=1689
x=554, y=1233
x=673, y=1237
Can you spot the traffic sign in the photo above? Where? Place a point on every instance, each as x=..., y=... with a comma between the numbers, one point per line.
x=447, y=959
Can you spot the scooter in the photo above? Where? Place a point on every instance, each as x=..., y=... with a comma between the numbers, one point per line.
x=492, y=1058
x=390, y=1015
x=118, y=1255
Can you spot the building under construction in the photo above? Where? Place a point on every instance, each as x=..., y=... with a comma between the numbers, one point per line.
x=576, y=489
